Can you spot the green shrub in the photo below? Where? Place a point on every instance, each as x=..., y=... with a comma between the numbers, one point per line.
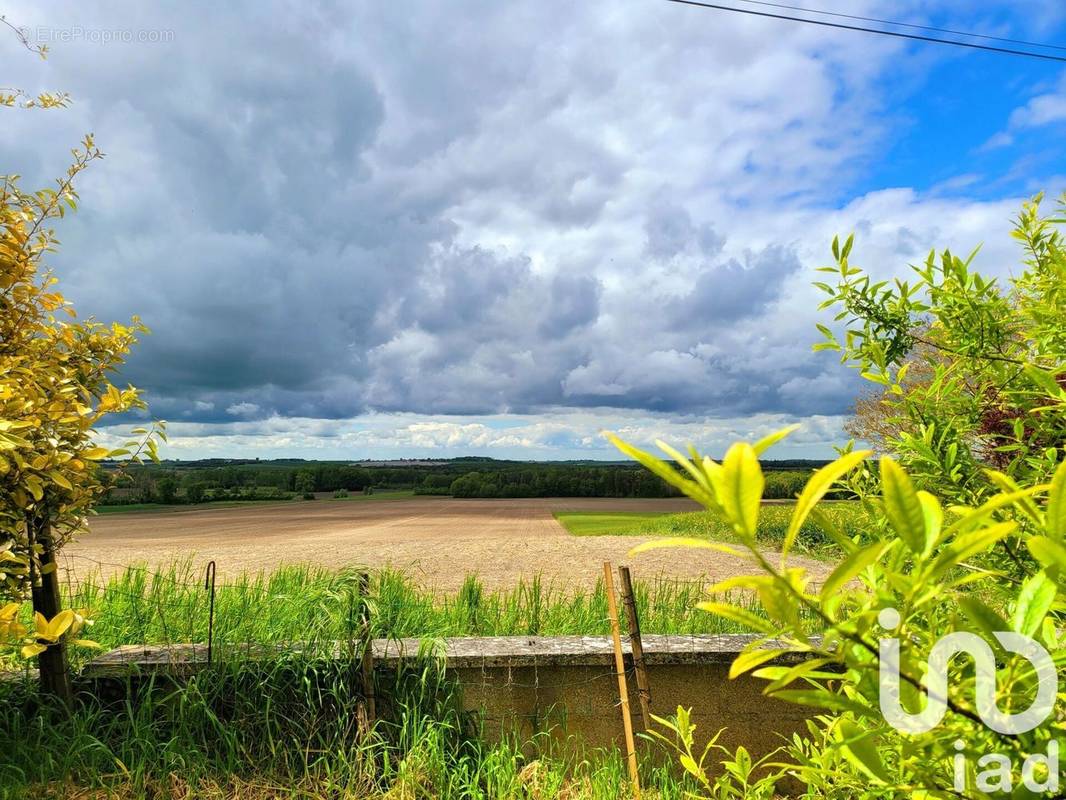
x=784, y=485
x=920, y=566
x=991, y=359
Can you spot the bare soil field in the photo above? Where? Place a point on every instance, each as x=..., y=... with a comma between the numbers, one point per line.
x=438, y=541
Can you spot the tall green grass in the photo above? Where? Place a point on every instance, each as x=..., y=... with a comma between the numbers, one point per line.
x=288, y=725
x=308, y=604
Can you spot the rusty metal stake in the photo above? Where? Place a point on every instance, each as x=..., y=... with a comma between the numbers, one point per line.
x=368, y=650
x=629, y=599
x=209, y=583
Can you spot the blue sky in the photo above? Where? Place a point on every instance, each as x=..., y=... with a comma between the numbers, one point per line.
x=357, y=230
x=950, y=118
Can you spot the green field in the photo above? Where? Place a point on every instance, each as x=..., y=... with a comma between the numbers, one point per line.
x=156, y=508
x=595, y=523
x=773, y=523
x=381, y=494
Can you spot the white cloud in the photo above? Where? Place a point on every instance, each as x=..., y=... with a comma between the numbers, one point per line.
x=1047, y=108
x=553, y=210
x=552, y=435
x=242, y=409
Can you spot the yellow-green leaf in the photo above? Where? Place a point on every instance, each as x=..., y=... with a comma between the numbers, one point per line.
x=738, y=615
x=666, y=472
x=820, y=483
x=850, y=566
x=858, y=747
x=751, y=659
x=742, y=485
x=933, y=516
x=1035, y=599
x=902, y=506
x=1049, y=552
x=968, y=545
x=1056, y=503
x=697, y=544
x=767, y=442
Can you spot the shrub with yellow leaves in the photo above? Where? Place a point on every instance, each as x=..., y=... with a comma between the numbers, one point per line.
x=55, y=388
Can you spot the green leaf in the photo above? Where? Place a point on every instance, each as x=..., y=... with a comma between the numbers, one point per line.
x=59, y=479
x=1056, y=503
x=666, y=472
x=972, y=517
x=850, y=566
x=1035, y=599
x=858, y=747
x=810, y=670
x=933, y=517
x=767, y=442
x=751, y=659
x=1045, y=380
x=690, y=765
x=847, y=246
x=820, y=483
x=824, y=699
x=968, y=545
x=738, y=615
x=827, y=526
x=902, y=506
x=689, y=466
x=1049, y=552
x=984, y=617
x=680, y=541
x=742, y=485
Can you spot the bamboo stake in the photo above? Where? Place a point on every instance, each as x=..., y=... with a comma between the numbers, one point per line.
x=643, y=687
x=623, y=689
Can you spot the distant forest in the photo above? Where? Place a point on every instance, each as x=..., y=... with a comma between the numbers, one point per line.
x=217, y=479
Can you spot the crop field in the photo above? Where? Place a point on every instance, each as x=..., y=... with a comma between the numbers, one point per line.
x=773, y=523
x=438, y=542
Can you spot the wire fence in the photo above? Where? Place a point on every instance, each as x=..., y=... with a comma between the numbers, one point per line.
x=162, y=622
x=172, y=608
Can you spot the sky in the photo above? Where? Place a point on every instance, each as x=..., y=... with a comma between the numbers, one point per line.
x=377, y=230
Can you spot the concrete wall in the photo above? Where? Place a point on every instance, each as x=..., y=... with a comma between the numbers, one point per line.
x=578, y=705
x=567, y=688
x=564, y=686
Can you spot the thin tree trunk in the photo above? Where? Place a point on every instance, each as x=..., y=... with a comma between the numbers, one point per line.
x=52, y=663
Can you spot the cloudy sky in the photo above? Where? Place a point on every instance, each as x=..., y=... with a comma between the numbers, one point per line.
x=374, y=229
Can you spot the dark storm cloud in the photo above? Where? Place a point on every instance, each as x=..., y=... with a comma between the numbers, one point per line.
x=321, y=211
x=670, y=232
x=734, y=290
x=573, y=302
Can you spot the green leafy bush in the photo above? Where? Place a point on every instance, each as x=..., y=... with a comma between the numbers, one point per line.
x=913, y=584
x=965, y=542
x=992, y=360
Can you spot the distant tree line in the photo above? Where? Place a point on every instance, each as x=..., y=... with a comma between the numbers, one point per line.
x=197, y=482
x=564, y=481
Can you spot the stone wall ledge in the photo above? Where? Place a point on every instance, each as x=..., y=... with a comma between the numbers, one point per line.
x=458, y=653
